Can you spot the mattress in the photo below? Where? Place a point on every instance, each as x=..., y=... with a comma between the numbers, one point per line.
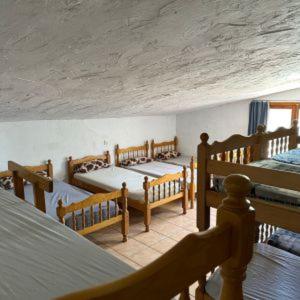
x=42, y=259
x=182, y=160
x=68, y=194
x=266, y=192
x=111, y=179
x=158, y=169
x=272, y=274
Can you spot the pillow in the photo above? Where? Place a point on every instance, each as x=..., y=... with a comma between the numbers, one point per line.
x=167, y=155
x=43, y=173
x=143, y=160
x=129, y=162
x=7, y=182
x=90, y=166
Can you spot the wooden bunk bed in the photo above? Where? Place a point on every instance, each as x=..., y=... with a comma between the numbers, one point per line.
x=181, y=160
x=145, y=192
x=229, y=244
x=125, y=156
x=245, y=155
x=78, y=209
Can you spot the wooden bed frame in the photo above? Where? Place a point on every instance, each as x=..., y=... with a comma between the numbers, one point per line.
x=169, y=146
x=229, y=245
x=42, y=184
x=232, y=156
x=150, y=187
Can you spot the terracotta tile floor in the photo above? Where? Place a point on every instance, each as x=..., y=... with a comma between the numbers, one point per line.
x=168, y=226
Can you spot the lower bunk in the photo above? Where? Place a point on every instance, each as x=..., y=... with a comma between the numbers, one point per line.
x=83, y=211
x=42, y=259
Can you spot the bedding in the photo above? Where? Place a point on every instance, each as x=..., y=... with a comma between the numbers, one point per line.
x=112, y=178
x=285, y=240
x=182, y=160
x=68, y=194
x=272, y=274
x=42, y=259
x=157, y=169
x=289, y=157
x=269, y=193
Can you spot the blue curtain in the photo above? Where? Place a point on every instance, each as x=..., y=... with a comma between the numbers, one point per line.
x=258, y=115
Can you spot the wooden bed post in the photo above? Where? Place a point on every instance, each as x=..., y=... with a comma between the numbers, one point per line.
x=60, y=212
x=147, y=210
x=147, y=148
x=236, y=210
x=39, y=198
x=70, y=170
x=125, y=219
x=185, y=195
x=175, y=143
x=192, y=183
x=108, y=158
x=117, y=159
x=50, y=169
x=294, y=136
x=203, y=184
x=152, y=149
x=18, y=185
x=261, y=146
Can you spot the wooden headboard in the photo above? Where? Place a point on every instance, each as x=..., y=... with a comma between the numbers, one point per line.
x=163, y=146
x=39, y=183
x=72, y=163
x=130, y=152
x=45, y=167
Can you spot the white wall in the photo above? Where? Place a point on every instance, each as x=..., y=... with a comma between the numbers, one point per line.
x=33, y=142
x=219, y=122
x=291, y=95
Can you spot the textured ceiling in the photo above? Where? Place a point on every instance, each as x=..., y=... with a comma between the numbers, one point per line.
x=87, y=59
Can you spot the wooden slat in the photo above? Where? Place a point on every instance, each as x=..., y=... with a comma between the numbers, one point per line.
x=92, y=200
x=166, y=200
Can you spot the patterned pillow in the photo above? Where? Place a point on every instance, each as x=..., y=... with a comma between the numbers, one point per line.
x=90, y=166
x=129, y=162
x=167, y=155
x=43, y=173
x=143, y=160
x=7, y=183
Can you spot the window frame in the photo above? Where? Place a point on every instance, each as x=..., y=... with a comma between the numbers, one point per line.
x=293, y=105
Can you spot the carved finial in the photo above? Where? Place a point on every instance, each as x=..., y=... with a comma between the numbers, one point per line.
x=204, y=137
x=146, y=178
x=295, y=123
x=60, y=204
x=124, y=185
x=237, y=187
x=70, y=158
x=261, y=129
x=49, y=161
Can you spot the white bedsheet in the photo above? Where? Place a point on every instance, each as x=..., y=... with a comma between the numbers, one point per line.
x=158, y=169
x=182, y=160
x=42, y=259
x=273, y=274
x=111, y=179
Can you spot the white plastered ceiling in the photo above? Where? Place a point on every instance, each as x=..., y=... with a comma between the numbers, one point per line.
x=78, y=59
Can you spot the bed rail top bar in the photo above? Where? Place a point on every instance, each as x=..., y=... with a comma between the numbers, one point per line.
x=230, y=245
x=43, y=182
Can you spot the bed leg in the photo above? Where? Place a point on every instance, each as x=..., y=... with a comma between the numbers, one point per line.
x=125, y=226
x=147, y=218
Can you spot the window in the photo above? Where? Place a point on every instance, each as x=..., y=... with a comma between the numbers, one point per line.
x=282, y=114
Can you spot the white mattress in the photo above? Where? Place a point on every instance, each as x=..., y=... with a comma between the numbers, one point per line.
x=182, y=160
x=43, y=259
x=273, y=274
x=158, y=169
x=111, y=179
